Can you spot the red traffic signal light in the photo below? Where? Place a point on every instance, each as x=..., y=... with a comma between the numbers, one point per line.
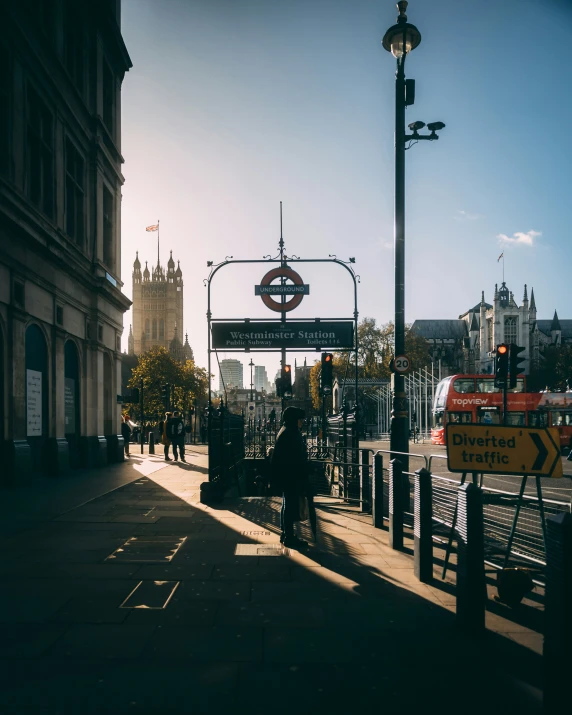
x=327, y=376
x=501, y=365
x=286, y=380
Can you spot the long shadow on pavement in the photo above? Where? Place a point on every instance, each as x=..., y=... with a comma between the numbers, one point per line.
x=250, y=627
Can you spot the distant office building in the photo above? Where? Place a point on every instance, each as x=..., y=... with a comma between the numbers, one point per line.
x=61, y=301
x=261, y=381
x=231, y=375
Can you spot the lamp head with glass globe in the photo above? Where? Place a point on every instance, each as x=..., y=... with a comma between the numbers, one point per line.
x=404, y=34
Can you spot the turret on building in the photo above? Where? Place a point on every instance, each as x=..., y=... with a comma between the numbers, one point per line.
x=158, y=309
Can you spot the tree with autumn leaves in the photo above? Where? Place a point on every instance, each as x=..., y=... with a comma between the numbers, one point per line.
x=375, y=353
x=157, y=367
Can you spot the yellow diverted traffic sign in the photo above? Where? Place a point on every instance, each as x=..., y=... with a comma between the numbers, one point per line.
x=503, y=450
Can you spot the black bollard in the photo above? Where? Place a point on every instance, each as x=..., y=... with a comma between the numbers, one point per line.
x=471, y=584
x=364, y=481
x=377, y=491
x=423, y=526
x=558, y=615
x=396, y=504
x=151, y=443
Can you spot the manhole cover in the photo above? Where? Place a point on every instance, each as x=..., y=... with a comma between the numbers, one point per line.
x=151, y=595
x=158, y=549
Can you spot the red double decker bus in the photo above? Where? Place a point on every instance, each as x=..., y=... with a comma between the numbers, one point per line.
x=474, y=399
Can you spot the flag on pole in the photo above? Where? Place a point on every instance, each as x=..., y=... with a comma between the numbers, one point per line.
x=153, y=228
x=498, y=259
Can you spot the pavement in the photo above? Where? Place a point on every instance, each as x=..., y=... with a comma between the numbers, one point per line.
x=121, y=593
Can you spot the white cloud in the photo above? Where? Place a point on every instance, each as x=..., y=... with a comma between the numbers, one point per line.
x=520, y=238
x=466, y=216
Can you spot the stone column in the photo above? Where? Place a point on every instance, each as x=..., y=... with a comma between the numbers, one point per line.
x=20, y=465
x=58, y=459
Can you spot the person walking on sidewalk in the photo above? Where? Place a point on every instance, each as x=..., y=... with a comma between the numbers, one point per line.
x=126, y=434
x=177, y=435
x=290, y=472
x=165, y=435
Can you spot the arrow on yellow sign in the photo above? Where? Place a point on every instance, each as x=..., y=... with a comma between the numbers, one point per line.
x=503, y=450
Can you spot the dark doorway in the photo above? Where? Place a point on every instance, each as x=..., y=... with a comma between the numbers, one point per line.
x=37, y=394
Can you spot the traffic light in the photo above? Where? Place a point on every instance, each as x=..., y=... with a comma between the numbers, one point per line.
x=501, y=365
x=515, y=366
x=133, y=398
x=286, y=382
x=326, y=376
x=279, y=390
x=166, y=394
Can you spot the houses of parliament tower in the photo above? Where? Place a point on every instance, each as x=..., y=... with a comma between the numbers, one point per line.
x=158, y=310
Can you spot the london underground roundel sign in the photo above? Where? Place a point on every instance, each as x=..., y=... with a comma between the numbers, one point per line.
x=298, y=289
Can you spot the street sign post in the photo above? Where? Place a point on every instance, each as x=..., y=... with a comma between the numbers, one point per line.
x=503, y=450
x=284, y=335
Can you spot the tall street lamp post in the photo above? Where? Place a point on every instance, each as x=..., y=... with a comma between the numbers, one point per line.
x=399, y=40
x=251, y=365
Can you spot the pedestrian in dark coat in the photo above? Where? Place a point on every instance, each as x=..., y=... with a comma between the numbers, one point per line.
x=290, y=471
x=177, y=435
x=126, y=434
x=165, y=435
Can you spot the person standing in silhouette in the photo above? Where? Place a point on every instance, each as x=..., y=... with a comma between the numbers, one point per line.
x=126, y=434
x=290, y=472
x=177, y=435
x=165, y=435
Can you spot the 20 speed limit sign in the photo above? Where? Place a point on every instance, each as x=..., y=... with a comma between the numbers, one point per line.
x=401, y=363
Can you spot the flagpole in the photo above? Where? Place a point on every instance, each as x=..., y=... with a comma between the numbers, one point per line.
x=503, y=266
x=158, y=245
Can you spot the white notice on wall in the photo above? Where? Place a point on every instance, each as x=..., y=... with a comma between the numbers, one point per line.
x=34, y=403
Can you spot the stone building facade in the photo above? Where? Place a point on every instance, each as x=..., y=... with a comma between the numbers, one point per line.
x=62, y=64
x=158, y=310
x=466, y=345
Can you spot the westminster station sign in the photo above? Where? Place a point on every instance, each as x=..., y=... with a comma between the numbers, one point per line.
x=276, y=334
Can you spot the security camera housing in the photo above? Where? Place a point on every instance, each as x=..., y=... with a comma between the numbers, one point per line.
x=435, y=126
x=416, y=126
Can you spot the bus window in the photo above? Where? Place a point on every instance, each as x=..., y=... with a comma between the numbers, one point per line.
x=515, y=419
x=463, y=386
x=438, y=420
x=487, y=385
x=441, y=393
x=519, y=386
x=461, y=418
x=488, y=417
x=561, y=419
x=537, y=419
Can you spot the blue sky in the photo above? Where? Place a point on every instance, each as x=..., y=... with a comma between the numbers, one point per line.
x=235, y=105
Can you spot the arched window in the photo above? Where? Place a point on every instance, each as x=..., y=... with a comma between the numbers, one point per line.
x=154, y=334
x=510, y=330
x=161, y=328
x=147, y=328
